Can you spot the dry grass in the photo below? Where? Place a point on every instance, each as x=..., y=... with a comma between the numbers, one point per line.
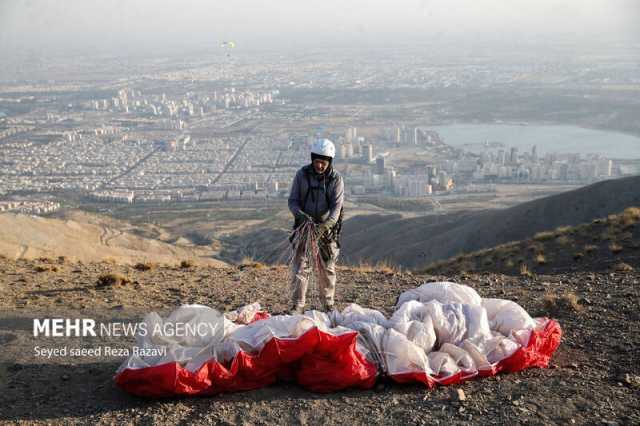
x=630, y=216
x=615, y=248
x=524, y=270
x=111, y=279
x=143, y=266
x=561, y=304
x=563, y=240
x=481, y=253
x=186, y=264
x=633, y=212
x=507, y=247
x=363, y=266
x=622, y=267
x=544, y=236
x=564, y=230
x=590, y=248
x=249, y=262
x=387, y=267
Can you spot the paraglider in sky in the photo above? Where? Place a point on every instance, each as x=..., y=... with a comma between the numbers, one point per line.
x=228, y=45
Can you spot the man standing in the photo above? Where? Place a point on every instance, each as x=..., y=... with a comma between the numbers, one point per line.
x=317, y=196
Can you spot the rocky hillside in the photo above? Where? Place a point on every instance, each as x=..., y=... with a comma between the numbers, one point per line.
x=607, y=244
x=594, y=377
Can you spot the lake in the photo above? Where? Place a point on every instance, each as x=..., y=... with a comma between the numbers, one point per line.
x=557, y=139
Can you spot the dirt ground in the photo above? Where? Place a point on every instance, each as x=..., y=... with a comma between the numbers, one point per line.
x=594, y=377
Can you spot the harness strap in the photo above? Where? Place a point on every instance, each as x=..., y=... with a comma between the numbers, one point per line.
x=335, y=231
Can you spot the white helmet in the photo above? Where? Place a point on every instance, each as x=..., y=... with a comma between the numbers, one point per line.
x=324, y=147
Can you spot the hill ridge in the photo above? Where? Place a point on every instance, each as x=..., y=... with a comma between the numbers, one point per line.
x=417, y=242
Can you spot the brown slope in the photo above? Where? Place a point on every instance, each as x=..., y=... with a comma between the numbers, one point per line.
x=607, y=244
x=594, y=377
x=420, y=241
x=30, y=237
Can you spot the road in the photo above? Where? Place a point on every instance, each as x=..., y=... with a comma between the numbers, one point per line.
x=231, y=160
x=130, y=169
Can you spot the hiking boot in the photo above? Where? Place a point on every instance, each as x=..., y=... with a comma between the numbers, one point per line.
x=296, y=310
x=328, y=307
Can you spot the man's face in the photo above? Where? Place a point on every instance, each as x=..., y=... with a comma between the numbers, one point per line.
x=320, y=165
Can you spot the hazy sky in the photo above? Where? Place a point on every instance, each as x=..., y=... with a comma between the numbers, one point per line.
x=130, y=24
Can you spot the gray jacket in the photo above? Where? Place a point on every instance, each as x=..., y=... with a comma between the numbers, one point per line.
x=329, y=183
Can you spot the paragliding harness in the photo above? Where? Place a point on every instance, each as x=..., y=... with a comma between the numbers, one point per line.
x=334, y=233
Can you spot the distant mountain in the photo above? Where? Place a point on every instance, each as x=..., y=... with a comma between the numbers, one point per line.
x=417, y=242
x=89, y=238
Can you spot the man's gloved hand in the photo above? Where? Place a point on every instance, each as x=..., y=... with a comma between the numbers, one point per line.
x=324, y=228
x=303, y=217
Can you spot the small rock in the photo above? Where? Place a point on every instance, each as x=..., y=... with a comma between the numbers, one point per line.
x=632, y=380
x=460, y=395
x=65, y=377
